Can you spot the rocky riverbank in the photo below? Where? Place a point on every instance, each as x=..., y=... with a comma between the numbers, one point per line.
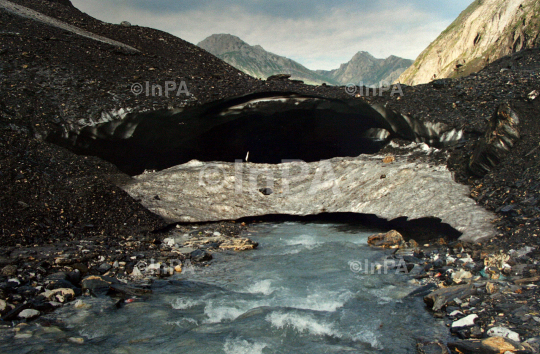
x=63, y=216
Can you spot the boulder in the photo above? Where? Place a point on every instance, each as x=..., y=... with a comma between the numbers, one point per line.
x=125, y=24
x=493, y=345
x=97, y=285
x=439, y=298
x=390, y=239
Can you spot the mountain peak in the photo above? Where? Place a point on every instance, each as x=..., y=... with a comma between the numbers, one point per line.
x=255, y=61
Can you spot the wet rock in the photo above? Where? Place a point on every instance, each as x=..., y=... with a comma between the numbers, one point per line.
x=29, y=314
x=9, y=271
x=439, y=298
x=200, y=256
x=504, y=333
x=437, y=347
x=97, y=285
x=239, y=244
x=390, y=239
x=126, y=290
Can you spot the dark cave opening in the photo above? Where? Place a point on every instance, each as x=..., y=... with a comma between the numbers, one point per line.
x=262, y=128
x=423, y=230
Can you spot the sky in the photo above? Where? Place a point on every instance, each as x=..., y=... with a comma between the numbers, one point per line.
x=319, y=34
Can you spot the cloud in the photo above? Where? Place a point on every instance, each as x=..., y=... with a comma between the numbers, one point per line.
x=319, y=35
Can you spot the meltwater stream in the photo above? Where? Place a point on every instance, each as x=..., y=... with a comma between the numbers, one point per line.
x=295, y=294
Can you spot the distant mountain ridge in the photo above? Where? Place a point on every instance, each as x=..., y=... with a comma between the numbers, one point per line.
x=365, y=69
x=257, y=62
x=484, y=32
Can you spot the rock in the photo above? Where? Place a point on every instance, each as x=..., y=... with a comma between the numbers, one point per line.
x=29, y=314
x=136, y=273
x=464, y=322
x=97, y=284
x=521, y=252
x=76, y=340
x=56, y=277
x=14, y=282
x=278, y=77
x=60, y=284
x=527, y=280
x=125, y=24
x=169, y=242
x=178, y=268
x=437, y=347
x=3, y=306
x=239, y=244
x=499, y=138
x=386, y=240
x=80, y=304
x=200, y=256
x=441, y=83
x=493, y=345
x=499, y=345
x=439, y=298
x=266, y=191
x=461, y=275
x=74, y=277
x=491, y=288
x=125, y=290
x=504, y=333
x=389, y=159
x=104, y=268
x=9, y=271
x=62, y=295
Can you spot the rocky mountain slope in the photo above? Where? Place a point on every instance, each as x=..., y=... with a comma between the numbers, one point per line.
x=365, y=69
x=486, y=31
x=257, y=62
